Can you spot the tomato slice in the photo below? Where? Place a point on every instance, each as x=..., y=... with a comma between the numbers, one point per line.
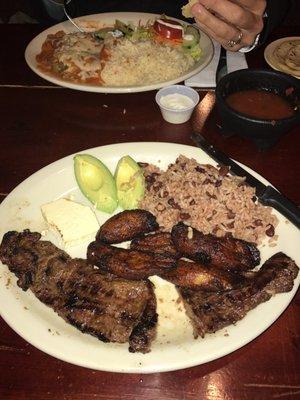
x=168, y=28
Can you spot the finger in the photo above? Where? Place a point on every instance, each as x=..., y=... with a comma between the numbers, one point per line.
x=232, y=33
x=231, y=12
x=256, y=6
x=212, y=34
x=219, y=27
x=223, y=42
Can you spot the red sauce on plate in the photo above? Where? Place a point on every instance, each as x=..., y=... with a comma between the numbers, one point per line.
x=260, y=104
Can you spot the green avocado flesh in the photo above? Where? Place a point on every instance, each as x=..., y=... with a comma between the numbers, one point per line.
x=96, y=182
x=130, y=183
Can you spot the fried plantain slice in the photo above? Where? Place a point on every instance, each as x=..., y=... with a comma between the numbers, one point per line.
x=127, y=225
x=158, y=243
x=193, y=275
x=128, y=264
x=96, y=250
x=223, y=252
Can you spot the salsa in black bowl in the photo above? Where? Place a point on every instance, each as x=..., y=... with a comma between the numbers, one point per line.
x=259, y=104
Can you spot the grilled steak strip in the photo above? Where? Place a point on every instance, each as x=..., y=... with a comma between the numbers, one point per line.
x=197, y=276
x=223, y=252
x=210, y=312
x=144, y=332
x=129, y=264
x=105, y=306
x=127, y=225
x=158, y=243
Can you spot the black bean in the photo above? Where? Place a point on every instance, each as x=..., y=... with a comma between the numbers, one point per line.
x=223, y=171
x=200, y=169
x=157, y=186
x=258, y=222
x=173, y=204
x=211, y=196
x=150, y=179
x=230, y=214
x=184, y=216
x=270, y=231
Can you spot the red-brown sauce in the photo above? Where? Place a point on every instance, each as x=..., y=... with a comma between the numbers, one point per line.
x=260, y=104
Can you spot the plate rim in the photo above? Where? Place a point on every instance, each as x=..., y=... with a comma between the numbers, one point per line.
x=112, y=89
x=145, y=369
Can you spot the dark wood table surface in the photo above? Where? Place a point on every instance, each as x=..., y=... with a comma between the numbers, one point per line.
x=40, y=123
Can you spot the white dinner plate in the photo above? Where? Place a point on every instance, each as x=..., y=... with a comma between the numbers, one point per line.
x=174, y=347
x=271, y=60
x=108, y=19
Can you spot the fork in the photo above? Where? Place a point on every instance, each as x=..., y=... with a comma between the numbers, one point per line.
x=65, y=4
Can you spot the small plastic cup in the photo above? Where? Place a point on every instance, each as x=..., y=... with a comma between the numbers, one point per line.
x=180, y=114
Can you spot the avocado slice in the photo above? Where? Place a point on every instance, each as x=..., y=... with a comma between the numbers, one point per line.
x=96, y=182
x=101, y=34
x=130, y=183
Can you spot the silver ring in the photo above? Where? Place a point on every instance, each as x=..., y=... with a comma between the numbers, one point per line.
x=232, y=43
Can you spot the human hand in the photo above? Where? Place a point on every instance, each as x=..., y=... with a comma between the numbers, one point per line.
x=233, y=23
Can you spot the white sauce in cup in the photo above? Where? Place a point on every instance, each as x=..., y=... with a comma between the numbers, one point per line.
x=176, y=101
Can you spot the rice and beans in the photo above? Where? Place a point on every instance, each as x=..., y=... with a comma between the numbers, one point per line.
x=207, y=198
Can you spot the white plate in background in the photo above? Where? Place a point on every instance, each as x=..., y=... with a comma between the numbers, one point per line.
x=108, y=19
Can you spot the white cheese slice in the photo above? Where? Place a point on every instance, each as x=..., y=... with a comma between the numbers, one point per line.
x=74, y=222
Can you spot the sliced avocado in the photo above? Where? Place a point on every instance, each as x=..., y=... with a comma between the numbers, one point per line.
x=126, y=29
x=96, y=182
x=130, y=183
x=103, y=33
x=191, y=36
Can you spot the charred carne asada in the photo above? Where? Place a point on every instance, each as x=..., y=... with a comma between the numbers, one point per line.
x=110, y=308
x=109, y=296
x=211, y=311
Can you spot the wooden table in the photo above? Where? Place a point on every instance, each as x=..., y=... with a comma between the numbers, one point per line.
x=41, y=123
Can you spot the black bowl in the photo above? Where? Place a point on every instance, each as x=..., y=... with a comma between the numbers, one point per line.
x=264, y=132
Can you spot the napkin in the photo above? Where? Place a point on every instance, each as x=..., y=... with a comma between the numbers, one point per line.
x=207, y=77
x=235, y=61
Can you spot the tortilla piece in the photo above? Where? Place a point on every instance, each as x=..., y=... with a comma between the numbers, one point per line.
x=293, y=58
x=286, y=57
x=282, y=49
x=186, y=10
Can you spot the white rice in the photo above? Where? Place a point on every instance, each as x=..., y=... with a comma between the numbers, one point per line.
x=142, y=63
